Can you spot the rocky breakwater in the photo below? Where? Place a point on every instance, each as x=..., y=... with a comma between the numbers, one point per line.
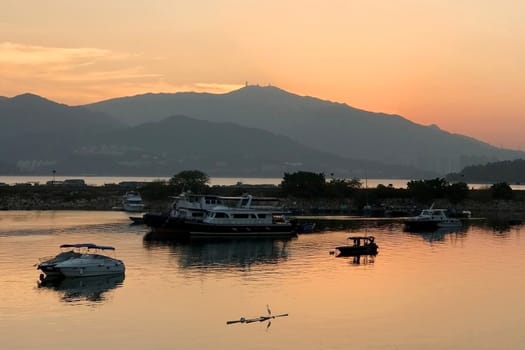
x=45, y=197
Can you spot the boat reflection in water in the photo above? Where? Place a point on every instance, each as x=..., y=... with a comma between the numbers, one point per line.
x=78, y=289
x=224, y=252
x=362, y=259
x=439, y=234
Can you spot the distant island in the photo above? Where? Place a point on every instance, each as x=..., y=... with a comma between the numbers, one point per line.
x=510, y=171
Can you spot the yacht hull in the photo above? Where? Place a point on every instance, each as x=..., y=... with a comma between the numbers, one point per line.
x=201, y=229
x=90, y=268
x=420, y=225
x=431, y=225
x=49, y=270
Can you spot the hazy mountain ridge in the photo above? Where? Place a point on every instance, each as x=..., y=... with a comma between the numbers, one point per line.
x=34, y=128
x=29, y=109
x=178, y=143
x=331, y=127
x=40, y=136
x=510, y=171
x=255, y=131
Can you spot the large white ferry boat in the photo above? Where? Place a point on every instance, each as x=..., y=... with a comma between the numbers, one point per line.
x=213, y=216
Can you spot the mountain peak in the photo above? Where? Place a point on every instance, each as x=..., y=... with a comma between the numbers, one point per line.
x=268, y=90
x=27, y=94
x=33, y=99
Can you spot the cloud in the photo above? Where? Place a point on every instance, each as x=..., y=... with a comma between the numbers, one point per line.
x=20, y=54
x=85, y=74
x=72, y=75
x=66, y=64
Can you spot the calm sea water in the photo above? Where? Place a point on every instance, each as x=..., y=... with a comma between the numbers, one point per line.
x=462, y=290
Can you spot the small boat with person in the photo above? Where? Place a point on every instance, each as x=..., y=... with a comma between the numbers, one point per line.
x=361, y=245
x=81, y=259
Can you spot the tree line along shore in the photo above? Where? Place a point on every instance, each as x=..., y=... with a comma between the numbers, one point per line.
x=302, y=193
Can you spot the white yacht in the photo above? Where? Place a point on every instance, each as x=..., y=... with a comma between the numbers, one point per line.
x=431, y=219
x=132, y=201
x=240, y=222
x=82, y=259
x=208, y=215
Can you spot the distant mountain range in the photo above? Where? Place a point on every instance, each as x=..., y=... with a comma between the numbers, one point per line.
x=254, y=131
x=35, y=131
x=331, y=127
x=38, y=136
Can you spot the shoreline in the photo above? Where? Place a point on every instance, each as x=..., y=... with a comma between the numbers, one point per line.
x=101, y=181
x=158, y=198
x=109, y=198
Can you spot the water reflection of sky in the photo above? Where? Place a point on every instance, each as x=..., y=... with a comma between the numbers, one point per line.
x=461, y=291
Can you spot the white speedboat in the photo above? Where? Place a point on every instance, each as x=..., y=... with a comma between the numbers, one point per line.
x=82, y=259
x=132, y=202
x=431, y=219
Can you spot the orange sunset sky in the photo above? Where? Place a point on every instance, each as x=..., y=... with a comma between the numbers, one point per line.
x=459, y=64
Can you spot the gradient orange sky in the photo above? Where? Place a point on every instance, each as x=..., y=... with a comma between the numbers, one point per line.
x=459, y=64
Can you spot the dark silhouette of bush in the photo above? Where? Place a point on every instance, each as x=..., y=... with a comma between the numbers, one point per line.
x=425, y=191
x=195, y=181
x=457, y=192
x=303, y=184
x=501, y=190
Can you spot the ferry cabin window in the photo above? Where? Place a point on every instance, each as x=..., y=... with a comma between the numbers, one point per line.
x=211, y=201
x=221, y=215
x=197, y=215
x=240, y=216
x=261, y=216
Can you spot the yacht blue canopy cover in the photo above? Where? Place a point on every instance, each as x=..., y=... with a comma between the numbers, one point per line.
x=87, y=245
